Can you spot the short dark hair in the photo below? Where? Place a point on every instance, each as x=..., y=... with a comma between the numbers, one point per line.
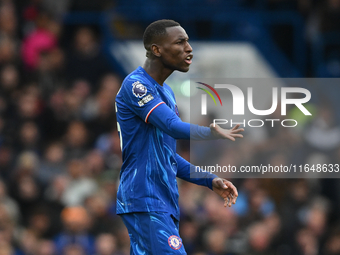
x=156, y=29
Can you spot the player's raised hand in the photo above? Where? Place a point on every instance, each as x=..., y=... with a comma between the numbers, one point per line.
x=222, y=133
x=226, y=190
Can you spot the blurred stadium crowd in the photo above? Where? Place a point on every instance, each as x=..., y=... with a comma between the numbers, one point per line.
x=60, y=155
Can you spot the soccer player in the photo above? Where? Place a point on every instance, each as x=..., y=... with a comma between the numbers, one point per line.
x=148, y=125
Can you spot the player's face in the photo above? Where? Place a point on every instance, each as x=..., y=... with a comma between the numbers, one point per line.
x=176, y=52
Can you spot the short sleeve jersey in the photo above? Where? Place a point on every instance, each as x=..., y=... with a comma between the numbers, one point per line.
x=148, y=174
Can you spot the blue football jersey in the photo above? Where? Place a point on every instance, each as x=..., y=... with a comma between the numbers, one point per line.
x=150, y=163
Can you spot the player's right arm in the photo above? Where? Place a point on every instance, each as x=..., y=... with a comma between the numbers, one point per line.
x=143, y=99
x=165, y=119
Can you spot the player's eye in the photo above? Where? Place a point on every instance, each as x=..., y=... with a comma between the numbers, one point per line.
x=181, y=41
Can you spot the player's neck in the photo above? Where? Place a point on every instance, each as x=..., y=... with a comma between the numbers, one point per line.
x=157, y=71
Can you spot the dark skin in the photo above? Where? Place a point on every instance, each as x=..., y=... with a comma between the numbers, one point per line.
x=168, y=54
x=173, y=52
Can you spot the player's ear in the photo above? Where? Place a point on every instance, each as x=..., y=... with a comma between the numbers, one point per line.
x=155, y=50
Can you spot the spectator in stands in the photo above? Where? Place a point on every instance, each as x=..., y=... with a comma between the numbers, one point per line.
x=24, y=186
x=80, y=186
x=7, y=226
x=109, y=145
x=332, y=246
x=41, y=40
x=190, y=234
x=7, y=249
x=8, y=19
x=8, y=30
x=259, y=239
x=85, y=61
x=293, y=206
x=73, y=102
x=76, y=140
x=55, y=191
x=8, y=53
x=41, y=222
x=72, y=249
x=9, y=80
x=98, y=207
x=29, y=104
x=10, y=204
x=74, y=238
x=29, y=137
x=53, y=163
x=106, y=244
x=46, y=247
x=323, y=134
x=82, y=89
x=306, y=243
x=50, y=71
x=99, y=111
x=6, y=157
x=56, y=116
x=216, y=241
x=95, y=162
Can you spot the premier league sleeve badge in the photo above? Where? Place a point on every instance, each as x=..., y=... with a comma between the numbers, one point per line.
x=138, y=89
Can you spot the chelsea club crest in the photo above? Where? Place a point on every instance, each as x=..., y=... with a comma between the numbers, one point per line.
x=175, y=242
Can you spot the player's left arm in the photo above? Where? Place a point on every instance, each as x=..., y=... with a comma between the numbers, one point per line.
x=226, y=190
x=189, y=173
x=221, y=186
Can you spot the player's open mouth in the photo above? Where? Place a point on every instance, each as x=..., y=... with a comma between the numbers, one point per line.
x=188, y=59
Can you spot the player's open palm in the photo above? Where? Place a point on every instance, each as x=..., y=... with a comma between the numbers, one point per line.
x=226, y=190
x=230, y=134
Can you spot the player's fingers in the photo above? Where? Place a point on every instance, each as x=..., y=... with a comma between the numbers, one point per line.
x=236, y=127
x=229, y=201
x=230, y=138
x=226, y=201
x=234, y=200
x=233, y=190
x=237, y=135
x=238, y=130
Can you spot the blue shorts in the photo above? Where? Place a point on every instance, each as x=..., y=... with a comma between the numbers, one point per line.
x=153, y=233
